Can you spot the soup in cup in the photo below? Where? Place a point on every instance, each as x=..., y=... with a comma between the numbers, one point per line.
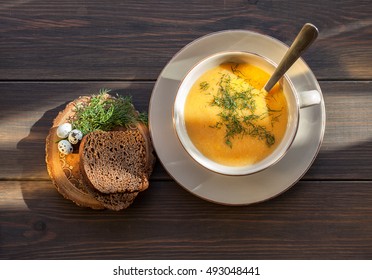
x=225, y=120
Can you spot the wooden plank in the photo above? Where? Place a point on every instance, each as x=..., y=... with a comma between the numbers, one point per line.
x=27, y=111
x=80, y=40
x=346, y=151
x=313, y=220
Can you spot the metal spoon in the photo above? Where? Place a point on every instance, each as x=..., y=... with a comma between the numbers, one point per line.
x=303, y=40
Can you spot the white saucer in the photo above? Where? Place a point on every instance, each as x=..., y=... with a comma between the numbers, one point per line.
x=233, y=190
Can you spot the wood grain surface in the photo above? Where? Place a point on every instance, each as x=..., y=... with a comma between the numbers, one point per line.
x=133, y=40
x=52, y=52
x=299, y=224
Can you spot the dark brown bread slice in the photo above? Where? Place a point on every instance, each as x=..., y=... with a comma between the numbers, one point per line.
x=113, y=201
x=115, y=161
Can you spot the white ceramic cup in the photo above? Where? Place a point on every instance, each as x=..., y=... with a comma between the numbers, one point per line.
x=295, y=100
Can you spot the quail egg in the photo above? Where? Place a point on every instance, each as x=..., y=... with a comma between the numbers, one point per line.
x=75, y=136
x=65, y=147
x=63, y=130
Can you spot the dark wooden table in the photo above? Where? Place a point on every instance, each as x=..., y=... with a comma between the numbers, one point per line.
x=52, y=52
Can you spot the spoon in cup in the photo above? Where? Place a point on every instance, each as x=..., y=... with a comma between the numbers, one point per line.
x=303, y=40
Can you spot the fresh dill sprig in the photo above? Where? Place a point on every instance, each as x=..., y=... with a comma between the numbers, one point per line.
x=104, y=112
x=204, y=85
x=238, y=110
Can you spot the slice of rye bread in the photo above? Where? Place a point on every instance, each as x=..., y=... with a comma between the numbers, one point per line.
x=113, y=201
x=121, y=200
x=115, y=161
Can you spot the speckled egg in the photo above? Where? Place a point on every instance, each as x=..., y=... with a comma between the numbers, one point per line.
x=63, y=130
x=75, y=136
x=65, y=147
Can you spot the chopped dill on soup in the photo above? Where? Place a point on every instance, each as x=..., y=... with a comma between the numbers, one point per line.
x=230, y=119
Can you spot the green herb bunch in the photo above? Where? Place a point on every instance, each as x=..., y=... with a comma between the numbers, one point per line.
x=104, y=112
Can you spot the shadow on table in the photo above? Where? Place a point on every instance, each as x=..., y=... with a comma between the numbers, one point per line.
x=31, y=157
x=31, y=149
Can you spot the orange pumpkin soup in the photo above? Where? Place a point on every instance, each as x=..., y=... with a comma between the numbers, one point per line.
x=230, y=119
